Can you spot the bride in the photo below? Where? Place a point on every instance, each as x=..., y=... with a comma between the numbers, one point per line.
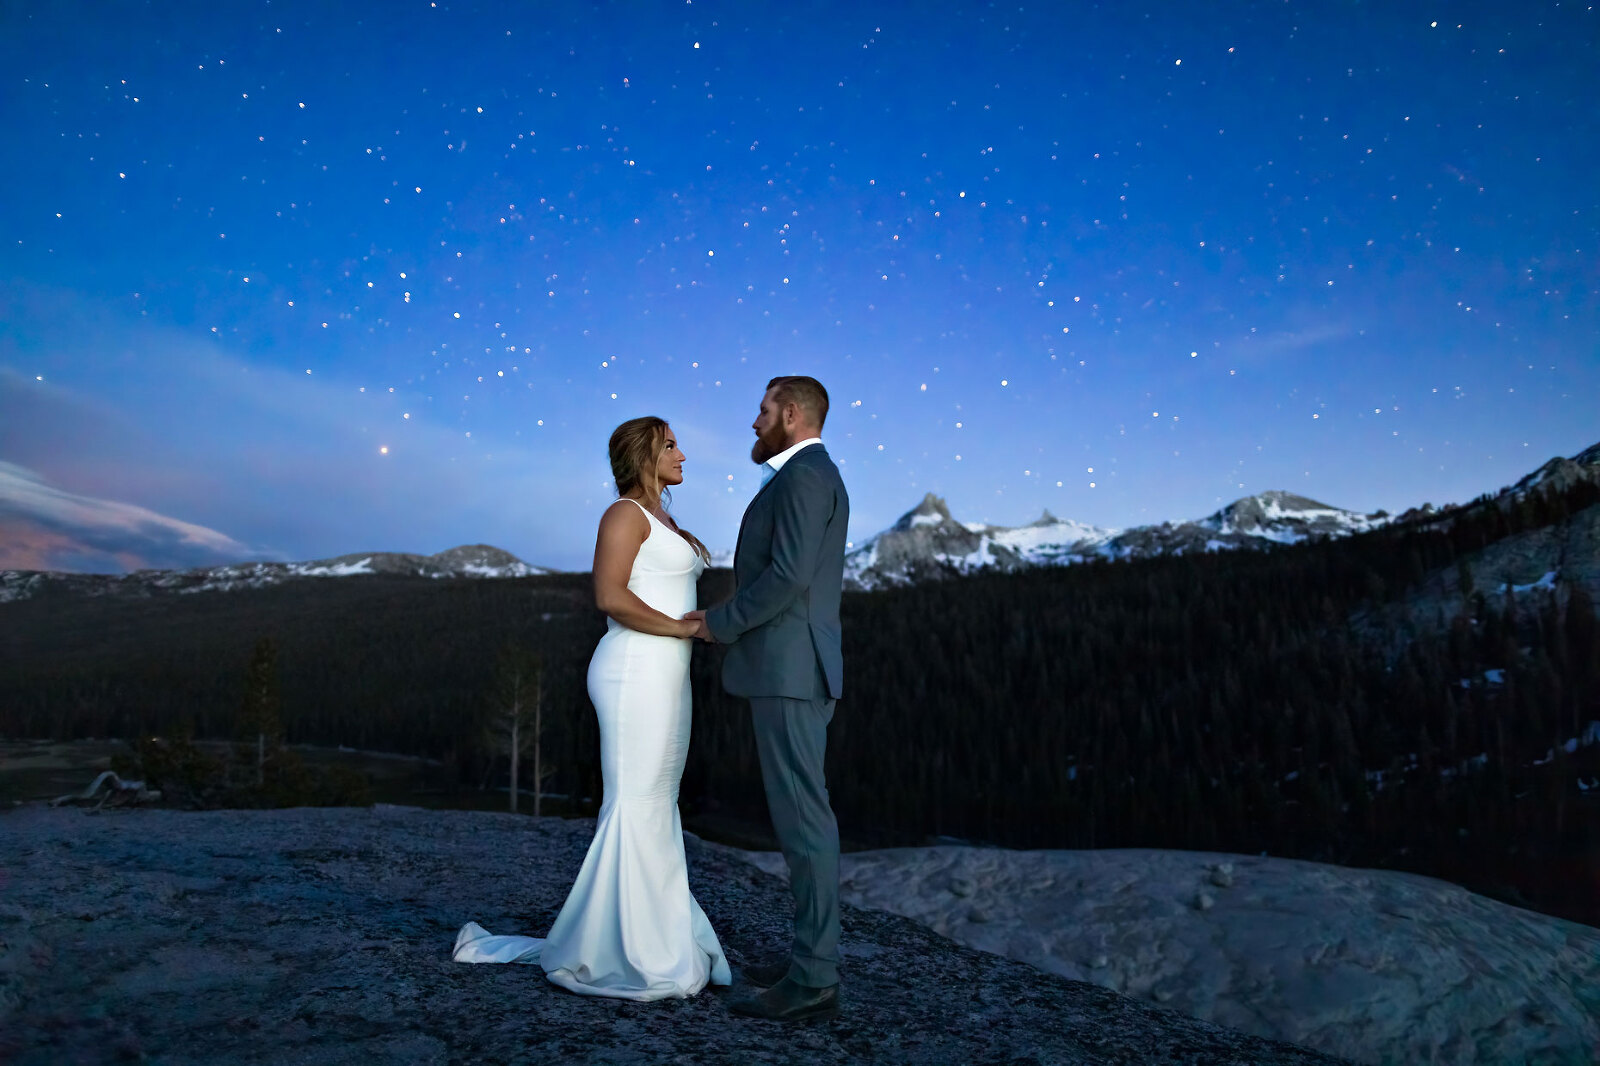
x=630, y=927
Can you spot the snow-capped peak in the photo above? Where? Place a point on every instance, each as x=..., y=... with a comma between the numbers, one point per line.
x=932, y=511
x=927, y=541
x=1287, y=518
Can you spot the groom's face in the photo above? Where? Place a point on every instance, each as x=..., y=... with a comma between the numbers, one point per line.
x=772, y=436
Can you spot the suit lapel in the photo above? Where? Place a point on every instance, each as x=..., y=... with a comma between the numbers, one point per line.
x=751, y=506
x=738, y=545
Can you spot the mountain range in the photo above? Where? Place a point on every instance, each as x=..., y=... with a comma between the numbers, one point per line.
x=468, y=560
x=926, y=542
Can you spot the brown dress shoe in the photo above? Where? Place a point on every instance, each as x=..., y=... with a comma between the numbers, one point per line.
x=766, y=974
x=787, y=1001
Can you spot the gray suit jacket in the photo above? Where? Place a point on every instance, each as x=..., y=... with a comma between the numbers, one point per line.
x=783, y=620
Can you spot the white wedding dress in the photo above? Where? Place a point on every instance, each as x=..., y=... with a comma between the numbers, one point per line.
x=630, y=927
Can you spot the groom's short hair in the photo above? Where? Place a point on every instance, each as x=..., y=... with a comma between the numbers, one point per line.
x=804, y=392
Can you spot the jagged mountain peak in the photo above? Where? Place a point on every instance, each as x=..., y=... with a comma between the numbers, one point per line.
x=927, y=540
x=932, y=511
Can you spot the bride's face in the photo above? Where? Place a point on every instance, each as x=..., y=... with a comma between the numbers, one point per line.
x=669, y=465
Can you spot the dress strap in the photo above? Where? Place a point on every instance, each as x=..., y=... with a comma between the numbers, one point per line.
x=639, y=505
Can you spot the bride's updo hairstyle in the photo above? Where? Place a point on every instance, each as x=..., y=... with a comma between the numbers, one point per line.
x=635, y=446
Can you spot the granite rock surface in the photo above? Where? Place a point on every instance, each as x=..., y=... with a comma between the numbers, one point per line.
x=323, y=936
x=1376, y=966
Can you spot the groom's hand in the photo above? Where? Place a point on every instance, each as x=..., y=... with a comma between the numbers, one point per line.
x=703, y=632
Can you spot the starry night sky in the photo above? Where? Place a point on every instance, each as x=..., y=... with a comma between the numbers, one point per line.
x=290, y=280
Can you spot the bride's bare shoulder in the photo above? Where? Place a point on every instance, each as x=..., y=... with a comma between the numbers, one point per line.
x=624, y=515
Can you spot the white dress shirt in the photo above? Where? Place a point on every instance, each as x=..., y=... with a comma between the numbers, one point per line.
x=770, y=468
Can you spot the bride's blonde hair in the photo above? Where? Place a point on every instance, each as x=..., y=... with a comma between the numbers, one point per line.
x=635, y=446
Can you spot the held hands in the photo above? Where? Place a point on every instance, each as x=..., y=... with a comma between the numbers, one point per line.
x=701, y=630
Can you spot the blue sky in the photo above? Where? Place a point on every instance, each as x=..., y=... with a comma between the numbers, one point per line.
x=291, y=280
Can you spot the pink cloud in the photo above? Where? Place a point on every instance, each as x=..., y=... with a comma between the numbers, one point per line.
x=44, y=527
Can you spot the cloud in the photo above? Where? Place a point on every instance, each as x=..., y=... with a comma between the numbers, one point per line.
x=44, y=527
x=1275, y=344
x=308, y=466
x=293, y=466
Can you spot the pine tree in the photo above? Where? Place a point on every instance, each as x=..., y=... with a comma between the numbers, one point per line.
x=515, y=723
x=260, y=728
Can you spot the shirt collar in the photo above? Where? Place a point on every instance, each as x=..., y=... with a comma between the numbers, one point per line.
x=775, y=464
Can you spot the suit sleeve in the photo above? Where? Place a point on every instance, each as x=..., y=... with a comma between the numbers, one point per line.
x=801, y=511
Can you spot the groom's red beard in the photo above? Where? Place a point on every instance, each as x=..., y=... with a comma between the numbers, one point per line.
x=766, y=447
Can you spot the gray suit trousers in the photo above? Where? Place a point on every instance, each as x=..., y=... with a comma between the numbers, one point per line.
x=791, y=738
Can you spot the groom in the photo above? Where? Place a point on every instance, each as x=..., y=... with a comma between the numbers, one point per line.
x=782, y=628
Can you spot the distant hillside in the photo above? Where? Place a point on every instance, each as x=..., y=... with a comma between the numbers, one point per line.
x=469, y=560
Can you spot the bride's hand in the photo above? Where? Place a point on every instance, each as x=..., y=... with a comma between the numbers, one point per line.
x=697, y=619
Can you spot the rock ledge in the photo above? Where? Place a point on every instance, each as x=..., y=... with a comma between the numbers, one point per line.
x=323, y=936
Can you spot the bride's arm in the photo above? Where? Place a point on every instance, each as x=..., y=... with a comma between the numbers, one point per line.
x=623, y=528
